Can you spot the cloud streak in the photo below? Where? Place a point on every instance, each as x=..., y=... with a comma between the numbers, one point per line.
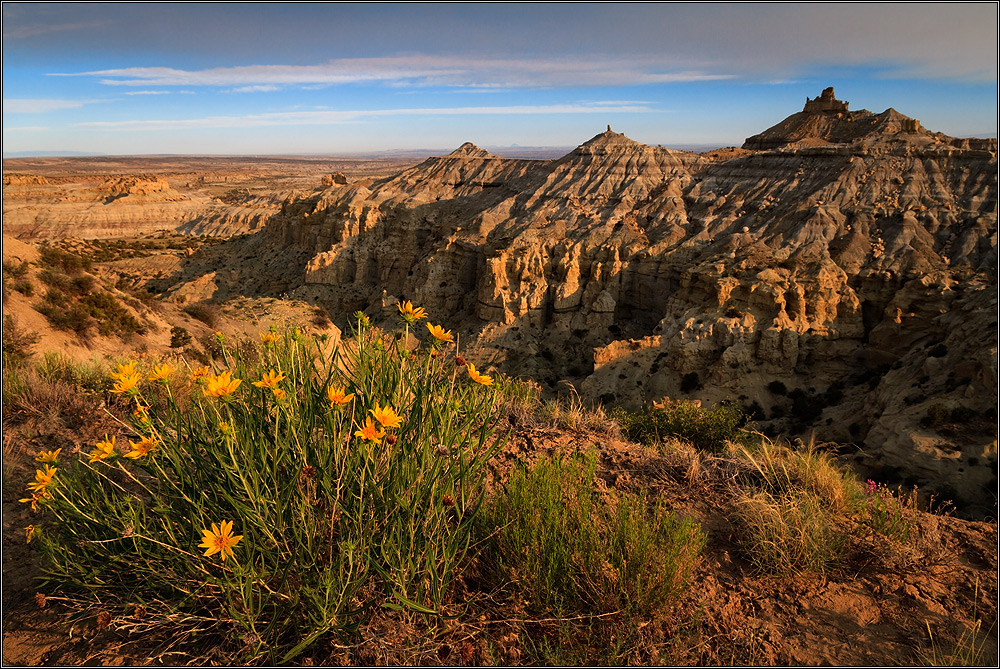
x=355, y=116
x=41, y=106
x=419, y=70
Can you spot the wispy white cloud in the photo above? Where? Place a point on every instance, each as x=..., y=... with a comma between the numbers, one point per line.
x=27, y=128
x=41, y=106
x=259, y=88
x=340, y=117
x=420, y=70
x=147, y=92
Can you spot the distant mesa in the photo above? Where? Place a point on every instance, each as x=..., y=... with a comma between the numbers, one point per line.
x=826, y=120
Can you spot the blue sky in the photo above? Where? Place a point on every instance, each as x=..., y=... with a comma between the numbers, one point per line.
x=241, y=78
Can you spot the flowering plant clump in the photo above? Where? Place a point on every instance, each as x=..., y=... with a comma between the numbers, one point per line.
x=353, y=481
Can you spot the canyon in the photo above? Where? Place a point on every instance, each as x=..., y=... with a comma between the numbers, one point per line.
x=836, y=275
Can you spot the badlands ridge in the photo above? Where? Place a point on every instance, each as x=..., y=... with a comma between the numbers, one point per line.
x=836, y=274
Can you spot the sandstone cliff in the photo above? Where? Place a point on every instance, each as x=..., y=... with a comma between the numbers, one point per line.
x=844, y=285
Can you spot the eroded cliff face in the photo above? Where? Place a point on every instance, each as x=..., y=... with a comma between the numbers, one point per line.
x=846, y=288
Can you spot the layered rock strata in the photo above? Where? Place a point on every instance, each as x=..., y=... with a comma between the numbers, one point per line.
x=842, y=283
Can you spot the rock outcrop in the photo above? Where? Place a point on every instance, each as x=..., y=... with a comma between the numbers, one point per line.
x=817, y=282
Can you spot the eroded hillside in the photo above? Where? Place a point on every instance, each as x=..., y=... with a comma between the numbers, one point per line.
x=842, y=283
x=836, y=275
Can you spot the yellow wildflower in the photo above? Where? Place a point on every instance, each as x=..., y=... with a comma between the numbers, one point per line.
x=103, y=449
x=338, y=396
x=42, y=479
x=37, y=497
x=124, y=369
x=269, y=337
x=160, y=372
x=127, y=383
x=270, y=380
x=220, y=385
x=439, y=333
x=477, y=377
x=386, y=417
x=223, y=427
x=410, y=313
x=198, y=374
x=370, y=431
x=279, y=394
x=48, y=456
x=28, y=532
x=219, y=539
x=141, y=449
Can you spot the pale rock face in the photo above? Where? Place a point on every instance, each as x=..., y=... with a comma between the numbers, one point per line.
x=833, y=266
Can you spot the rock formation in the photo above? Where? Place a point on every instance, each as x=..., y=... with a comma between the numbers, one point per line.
x=122, y=205
x=837, y=274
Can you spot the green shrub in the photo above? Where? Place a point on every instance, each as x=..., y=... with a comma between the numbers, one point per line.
x=17, y=342
x=23, y=286
x=706, y=429
x=16, y=270
x=179, y=337
x=565, y=548
x=68, y=263
x=337, y=514
x=56, y=279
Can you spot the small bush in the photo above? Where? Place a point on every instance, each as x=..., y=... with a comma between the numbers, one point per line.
x=937, y=415
x=56, y=279
x=16, y=270
x=706, y=429
x=206, y=312
x=320, y=318
x=23, y=286
x=892, y=516
x=565, y=548
x=68, y=263
x=17, y=342
x=179, y=337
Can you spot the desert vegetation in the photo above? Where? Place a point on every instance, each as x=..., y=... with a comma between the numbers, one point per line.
x=290, y=498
